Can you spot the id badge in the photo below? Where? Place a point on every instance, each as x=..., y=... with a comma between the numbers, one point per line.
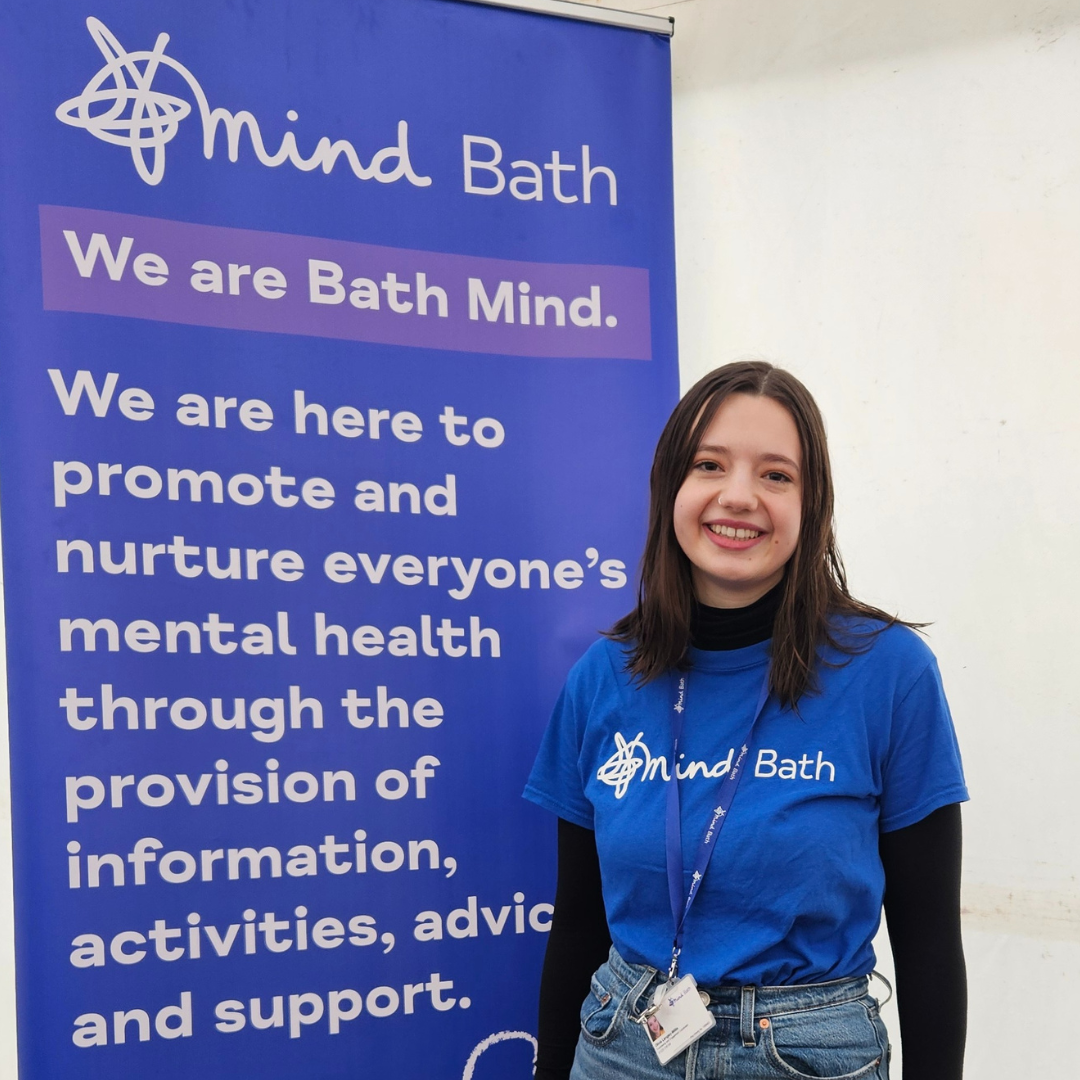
x=679, y=1018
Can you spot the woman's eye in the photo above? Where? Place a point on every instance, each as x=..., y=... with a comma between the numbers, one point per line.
x=708, y=466
x=778, y=477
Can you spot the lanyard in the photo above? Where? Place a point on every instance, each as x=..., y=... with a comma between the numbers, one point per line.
x=724, y=798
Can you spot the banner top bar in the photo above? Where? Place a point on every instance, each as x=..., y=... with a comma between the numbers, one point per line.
x=570, y=9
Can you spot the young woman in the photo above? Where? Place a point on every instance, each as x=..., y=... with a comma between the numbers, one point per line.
x=748, y=669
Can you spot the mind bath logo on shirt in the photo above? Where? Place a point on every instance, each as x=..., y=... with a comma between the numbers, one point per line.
x=633, y=759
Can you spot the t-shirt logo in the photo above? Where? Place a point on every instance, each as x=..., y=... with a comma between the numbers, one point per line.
x=633, y=759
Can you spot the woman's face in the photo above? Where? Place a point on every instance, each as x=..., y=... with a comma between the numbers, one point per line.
x=738, y=511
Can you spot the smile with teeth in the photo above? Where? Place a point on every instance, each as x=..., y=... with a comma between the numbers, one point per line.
x=735, y=534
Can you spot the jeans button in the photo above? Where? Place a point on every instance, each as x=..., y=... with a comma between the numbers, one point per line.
x=705, y=999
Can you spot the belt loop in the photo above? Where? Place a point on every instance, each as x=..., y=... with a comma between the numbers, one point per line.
x=635, y=993
x=746, y=1016
x=888, y=985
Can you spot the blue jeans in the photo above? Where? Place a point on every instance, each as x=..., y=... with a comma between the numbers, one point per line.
x=823, y=1030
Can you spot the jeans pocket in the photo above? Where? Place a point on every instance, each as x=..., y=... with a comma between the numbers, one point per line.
x=837, y=1042
x=600, y=1010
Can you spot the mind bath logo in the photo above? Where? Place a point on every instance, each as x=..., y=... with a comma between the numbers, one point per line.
x=120, y=106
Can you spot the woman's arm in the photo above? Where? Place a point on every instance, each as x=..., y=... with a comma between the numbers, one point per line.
x=922, y=903
x=577, y=945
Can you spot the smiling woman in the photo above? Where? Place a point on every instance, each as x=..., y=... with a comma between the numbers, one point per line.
x=737, y=513
x=745, y=450
x=748, y=667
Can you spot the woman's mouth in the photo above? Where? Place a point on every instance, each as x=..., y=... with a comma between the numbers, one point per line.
x=734, y=534
x=734, y=537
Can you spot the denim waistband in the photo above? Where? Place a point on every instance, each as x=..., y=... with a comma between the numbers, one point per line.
x=731, y=1000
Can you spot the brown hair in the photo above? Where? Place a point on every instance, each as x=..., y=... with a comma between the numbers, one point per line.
x=814, y=585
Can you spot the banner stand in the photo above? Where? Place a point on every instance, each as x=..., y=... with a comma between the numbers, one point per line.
x=336, y=341
x=567, y=9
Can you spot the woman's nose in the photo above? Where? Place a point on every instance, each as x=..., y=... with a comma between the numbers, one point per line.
x=737, y=493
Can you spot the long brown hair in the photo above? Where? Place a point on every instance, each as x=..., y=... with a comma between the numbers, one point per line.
x=814, y=586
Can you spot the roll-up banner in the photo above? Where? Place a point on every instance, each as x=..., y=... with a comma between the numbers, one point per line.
x=336, y=339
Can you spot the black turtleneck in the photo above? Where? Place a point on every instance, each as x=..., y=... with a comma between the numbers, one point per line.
x=720, y=629
x=922, y=904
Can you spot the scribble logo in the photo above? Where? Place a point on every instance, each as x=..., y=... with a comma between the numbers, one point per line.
x=628, y=759
x=119, y=105
x=633, y=759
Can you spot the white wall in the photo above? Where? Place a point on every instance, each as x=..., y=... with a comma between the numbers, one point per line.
x=885, y=198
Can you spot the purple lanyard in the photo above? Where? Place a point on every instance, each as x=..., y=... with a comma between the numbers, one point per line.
x=724, y=798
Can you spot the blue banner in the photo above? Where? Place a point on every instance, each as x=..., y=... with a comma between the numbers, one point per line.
x=336, y=337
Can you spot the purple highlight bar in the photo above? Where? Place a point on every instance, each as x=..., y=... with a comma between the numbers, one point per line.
x=603, y=310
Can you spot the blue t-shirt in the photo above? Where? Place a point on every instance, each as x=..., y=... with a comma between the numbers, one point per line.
x=794, y=890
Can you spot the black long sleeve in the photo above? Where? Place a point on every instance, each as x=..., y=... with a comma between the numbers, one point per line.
x=922, y=905
x=578, y=944
x=922, y=902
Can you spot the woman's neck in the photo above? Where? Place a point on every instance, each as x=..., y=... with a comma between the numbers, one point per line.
x=721, y=629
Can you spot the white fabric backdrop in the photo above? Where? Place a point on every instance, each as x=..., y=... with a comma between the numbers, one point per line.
x=886, y=199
